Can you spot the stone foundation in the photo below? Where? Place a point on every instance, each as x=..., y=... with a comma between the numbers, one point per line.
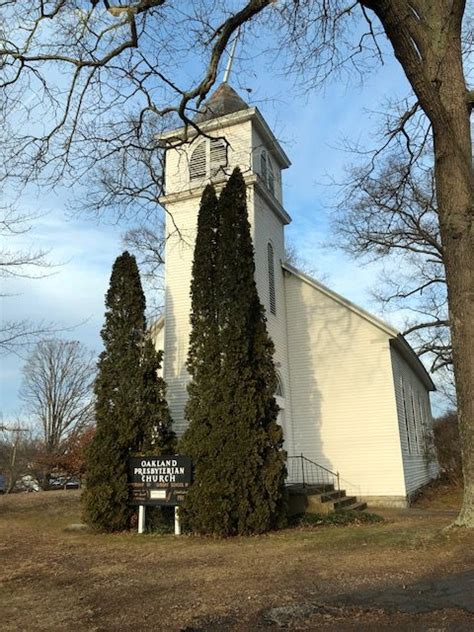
x=401, y=502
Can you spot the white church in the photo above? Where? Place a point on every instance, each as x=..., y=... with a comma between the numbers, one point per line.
x=353, y=396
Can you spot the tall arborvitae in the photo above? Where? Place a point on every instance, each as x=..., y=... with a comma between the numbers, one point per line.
x=239, y=484
x=126, y=397
x=203, y=363
x=155, y=433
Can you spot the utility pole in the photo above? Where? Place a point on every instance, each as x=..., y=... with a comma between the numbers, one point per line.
x=14, y=446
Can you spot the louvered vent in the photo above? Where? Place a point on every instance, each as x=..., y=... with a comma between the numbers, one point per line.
x=271, y=279
x=263, y=165
x=197, y=163
x=218, y=153
x=271, y=177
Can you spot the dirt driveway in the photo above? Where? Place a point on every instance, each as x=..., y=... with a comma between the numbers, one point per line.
x=405, y=574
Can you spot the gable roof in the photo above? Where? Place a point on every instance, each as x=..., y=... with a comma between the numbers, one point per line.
x=397, y=340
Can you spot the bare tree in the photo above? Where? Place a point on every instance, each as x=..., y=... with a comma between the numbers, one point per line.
x=147, y=242
x=390, y=215
x=119, y=63
x=31, y=263
x=57, y=391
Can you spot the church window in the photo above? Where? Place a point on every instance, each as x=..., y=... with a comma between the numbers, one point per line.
x=271, y=176
x=197, y=164
x=267, y=172
x=271, y=279
x=415, y=422
x=279, y=388
x=263, y=166
x=218, y=156
x=405, y=414
x=208, y=159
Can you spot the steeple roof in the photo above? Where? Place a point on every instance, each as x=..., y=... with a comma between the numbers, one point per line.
x=224, y=100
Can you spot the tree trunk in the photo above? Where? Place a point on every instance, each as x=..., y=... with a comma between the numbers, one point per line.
x=454, y=189
x=426, y=38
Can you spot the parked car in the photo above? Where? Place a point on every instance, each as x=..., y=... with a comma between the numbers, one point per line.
x=63, y=482
x=27, y=483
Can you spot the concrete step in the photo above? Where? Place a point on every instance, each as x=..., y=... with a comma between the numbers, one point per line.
x=355, y=506
x=342, y=503
x=332, y=496
x=320, y=499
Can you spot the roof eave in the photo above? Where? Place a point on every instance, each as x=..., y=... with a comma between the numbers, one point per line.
x=344, y=301
x=396, y=338
x=405, y=350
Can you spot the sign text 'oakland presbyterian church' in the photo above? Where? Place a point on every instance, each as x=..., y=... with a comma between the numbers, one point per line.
x=159, y=480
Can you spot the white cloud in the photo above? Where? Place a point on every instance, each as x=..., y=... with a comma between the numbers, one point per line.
x=72, y=297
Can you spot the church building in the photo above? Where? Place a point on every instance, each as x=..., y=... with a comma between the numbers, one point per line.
x=353, y=396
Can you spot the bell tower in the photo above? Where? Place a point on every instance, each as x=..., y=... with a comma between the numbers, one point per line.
x=233, y=134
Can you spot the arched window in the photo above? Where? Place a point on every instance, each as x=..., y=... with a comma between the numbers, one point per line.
x=208, y=159
x=271, y=176
x=267, y=171
x=271, y=279
x=279, y=390
x=197, y=163
x=218, y=156
x=263, y=165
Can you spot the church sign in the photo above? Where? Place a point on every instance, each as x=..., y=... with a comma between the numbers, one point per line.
x=158, y=480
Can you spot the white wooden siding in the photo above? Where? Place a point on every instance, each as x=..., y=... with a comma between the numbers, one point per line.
x=419, y=469
x=343, y=402
x=267, y=227
x=181, y=230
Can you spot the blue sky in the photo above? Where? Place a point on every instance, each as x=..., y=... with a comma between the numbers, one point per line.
x=310, y=127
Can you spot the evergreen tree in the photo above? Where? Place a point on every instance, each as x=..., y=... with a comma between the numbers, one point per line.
x=239, y=461
x=203, y=362
x=130, y=410
x=155, y=436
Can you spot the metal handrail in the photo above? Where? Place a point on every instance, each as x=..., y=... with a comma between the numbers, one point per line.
x=314, y=479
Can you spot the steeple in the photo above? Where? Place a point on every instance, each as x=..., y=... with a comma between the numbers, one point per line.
x=231, y=134
x=224, y=100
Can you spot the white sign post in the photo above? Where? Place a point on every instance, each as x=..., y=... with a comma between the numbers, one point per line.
x=177, y=523
x=141, y=519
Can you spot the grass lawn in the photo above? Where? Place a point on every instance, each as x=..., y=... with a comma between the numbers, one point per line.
x=407, y=573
